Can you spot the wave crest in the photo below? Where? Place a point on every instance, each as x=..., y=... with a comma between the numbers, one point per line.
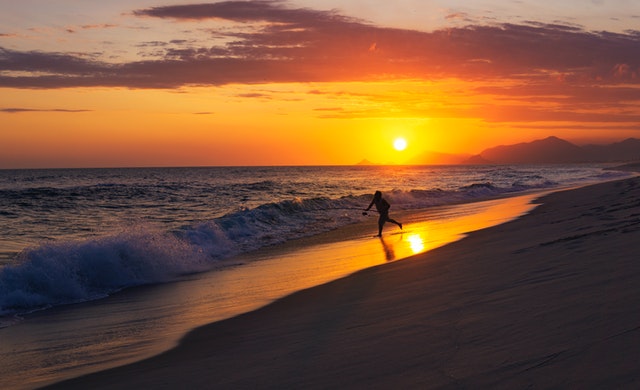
x=71, y=272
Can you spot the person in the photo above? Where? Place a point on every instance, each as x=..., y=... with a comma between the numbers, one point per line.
x=383, y=208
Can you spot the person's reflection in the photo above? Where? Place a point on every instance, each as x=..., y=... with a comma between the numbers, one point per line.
x=389, y=253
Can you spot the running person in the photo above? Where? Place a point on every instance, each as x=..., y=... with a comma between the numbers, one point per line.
x=383, y=208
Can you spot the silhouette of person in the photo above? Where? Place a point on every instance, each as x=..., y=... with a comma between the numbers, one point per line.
x=383, y=208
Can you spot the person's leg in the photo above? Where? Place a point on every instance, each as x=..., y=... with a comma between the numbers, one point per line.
x=383, y=218
x=394, y=221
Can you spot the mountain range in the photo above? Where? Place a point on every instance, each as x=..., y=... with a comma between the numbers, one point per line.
x=551, y=150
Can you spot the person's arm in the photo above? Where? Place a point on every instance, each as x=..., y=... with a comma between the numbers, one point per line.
x=370, y=204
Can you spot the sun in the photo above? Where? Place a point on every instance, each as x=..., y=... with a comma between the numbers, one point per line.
x=399, y=144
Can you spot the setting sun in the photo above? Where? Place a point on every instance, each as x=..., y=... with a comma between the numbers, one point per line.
x=400, y=144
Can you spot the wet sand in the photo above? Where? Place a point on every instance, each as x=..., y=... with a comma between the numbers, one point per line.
x=548, y=300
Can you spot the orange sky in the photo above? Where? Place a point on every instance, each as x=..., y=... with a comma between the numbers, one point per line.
x=279, y=83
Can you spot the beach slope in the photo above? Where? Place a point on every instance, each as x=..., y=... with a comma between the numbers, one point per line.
x=549, y=300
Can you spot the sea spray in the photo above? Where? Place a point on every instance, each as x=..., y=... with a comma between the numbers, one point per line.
x=69, y=272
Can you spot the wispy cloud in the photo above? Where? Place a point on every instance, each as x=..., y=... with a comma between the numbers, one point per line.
x=255, y=95
x=460, y=16
x=74, y=29
x=16, y=110
x=98, y=26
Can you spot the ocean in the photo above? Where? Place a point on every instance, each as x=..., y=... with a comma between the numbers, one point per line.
x=84, y=237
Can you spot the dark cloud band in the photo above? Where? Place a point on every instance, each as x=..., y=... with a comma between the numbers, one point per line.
x=307, y=45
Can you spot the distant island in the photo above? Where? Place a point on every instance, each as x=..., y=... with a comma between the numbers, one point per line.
x=365, y=162
x=551, y=150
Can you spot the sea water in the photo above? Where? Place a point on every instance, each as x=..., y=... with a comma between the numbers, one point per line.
x=74, y=235
x=80, y=235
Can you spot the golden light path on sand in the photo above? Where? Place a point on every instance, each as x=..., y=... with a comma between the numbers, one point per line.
x=272, y=273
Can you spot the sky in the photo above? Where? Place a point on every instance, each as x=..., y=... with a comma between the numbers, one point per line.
x=302, y=82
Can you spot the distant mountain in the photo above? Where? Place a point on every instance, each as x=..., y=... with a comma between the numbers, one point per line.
x=554, y=150
x=476, y=160
x=627, y=150
x=548, y=150
x=365, y=162
x=435, y=158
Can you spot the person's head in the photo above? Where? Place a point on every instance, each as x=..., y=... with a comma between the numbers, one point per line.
x=377, y=195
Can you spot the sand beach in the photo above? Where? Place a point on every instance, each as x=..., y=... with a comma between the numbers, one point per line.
x=549, y=300
x=185, y=191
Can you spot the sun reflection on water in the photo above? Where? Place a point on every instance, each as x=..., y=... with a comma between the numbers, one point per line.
x=416, y=243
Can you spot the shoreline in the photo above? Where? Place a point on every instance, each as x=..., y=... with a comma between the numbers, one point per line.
x=151, y=319
x=545, y=300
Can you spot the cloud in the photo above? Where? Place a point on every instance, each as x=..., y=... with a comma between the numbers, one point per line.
x=98, y=26
x=152, y=44
x=588, y=126
x=531, y=72
x=459, y=16
x=274, y=11
x=307, y=45
x=329, y=109
x=456, y=15
x=68, y=65
x=521, y=114
x=254, y=95
x=74, y=29
x=16, y=110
